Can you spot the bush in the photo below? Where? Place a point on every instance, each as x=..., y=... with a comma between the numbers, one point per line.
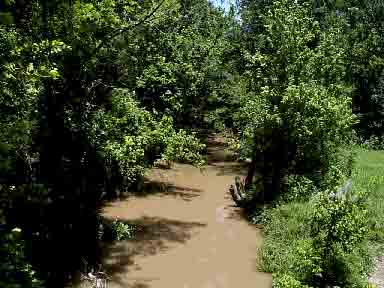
x=339, y=226
x=286, y=281
x=340, y=166
x=134, y=138
x=375, y=143
x=184, y=148
x=322, y=241
x=15, y=270
x=121, y=230
x=334, y=237
x=299, y=188
x=115, y=230
x=287, y=248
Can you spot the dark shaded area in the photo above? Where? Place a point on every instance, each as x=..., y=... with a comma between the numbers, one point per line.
x=219, y=155
x=59, y=184
x=60, y=195
x=231, y=169
x=218, y=151
x=235, y=212
x=264, y=173
x=245, y=213
x=224, y=160
x=167, y=189
x=154, y=235
x=140, y=285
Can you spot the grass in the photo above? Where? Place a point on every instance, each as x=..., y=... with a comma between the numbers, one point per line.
x=287, y=250
x=368, y=174
x=286, y=233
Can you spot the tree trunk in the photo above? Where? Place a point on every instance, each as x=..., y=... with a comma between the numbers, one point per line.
x=252, y=167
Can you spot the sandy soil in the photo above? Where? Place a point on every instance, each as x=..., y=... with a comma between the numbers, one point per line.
x=192, y=236
x=377, y=277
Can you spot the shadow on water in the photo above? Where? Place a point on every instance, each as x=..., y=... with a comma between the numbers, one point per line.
x=140, y=285
x=153, y=235
x=223, y=159
x=230, y=169
x=60, y=222
x=219, y=155
x=159, y=188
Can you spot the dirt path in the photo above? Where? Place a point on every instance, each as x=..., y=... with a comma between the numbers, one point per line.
x=192, y=236
x=377, y=276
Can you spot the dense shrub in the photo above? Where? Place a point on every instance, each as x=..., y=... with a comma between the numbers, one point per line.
x=299, y=188
x=322, y=241
x=135, y=138
x=373, y=143
x=287, y=248
x=15, y=269
x=339, y=168
x=339, y=225
x=286, y=281
x=334, y=237
x=75, y=78
x=296, y=111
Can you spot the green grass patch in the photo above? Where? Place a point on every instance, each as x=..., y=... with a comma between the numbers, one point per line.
x=287, y=240
x=368, y=174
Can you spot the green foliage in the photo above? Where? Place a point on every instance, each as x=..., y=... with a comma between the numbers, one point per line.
x=183, y=147
x=365, y=39
x=15, y=271
x=95, y=92
x=286, y=281
x=299, y=188
x=339, y=168
x=361, y=27
x=301, y=83
x=121, y=230
x=73, y=76
x=315, y=114
x=332, y=238
x=136, y=138
x=339, y=225
x=287, y=248
x=373, y=143
x=175, y=63
x=368, y=176
x=295, y=247
x=115, y=230
x=297, y=110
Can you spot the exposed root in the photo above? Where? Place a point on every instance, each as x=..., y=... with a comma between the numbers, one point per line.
x=238, y=192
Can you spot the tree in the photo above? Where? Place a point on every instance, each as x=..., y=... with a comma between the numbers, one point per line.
x=70, y=121
x=297, y=111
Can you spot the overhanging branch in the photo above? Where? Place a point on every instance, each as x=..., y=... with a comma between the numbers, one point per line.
x=120, y=31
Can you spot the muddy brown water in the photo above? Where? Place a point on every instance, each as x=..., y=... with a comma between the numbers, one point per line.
x=191, y=234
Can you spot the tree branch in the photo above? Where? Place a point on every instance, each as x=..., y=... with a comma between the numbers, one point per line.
x=120, y=31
